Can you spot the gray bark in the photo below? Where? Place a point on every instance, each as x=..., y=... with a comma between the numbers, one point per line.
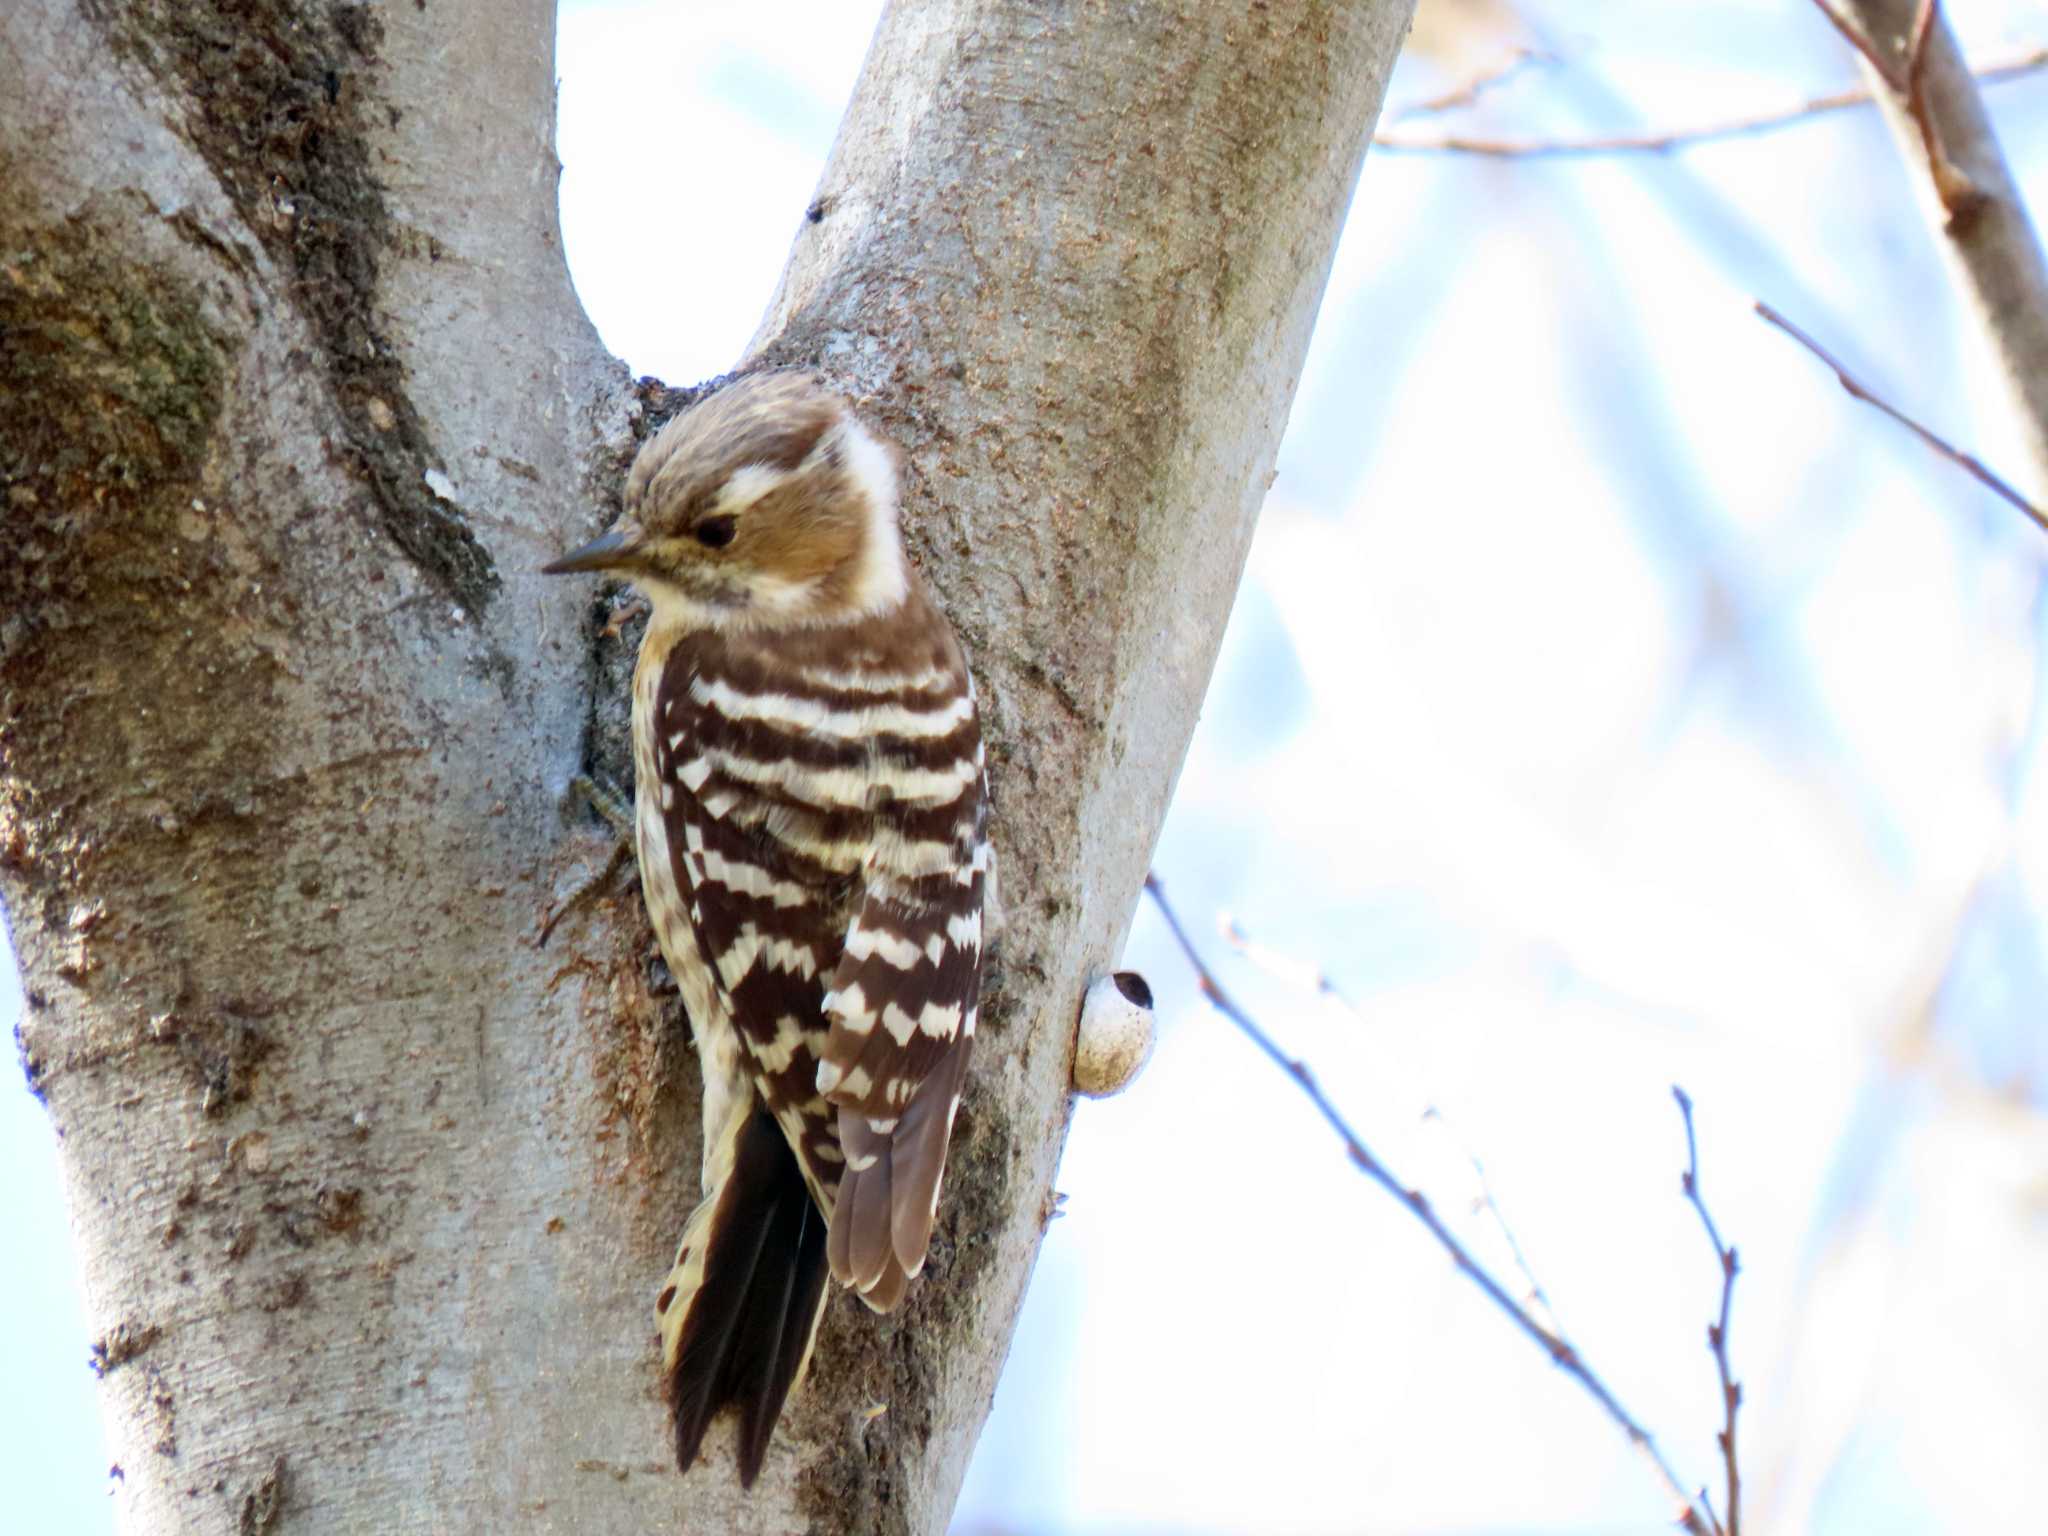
x=370, y=1191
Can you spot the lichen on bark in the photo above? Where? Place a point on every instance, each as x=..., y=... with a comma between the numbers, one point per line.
x=273, y=95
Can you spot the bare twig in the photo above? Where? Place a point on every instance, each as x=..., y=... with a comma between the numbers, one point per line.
x=1940, y=445
x=1476, y=86
x=1670, y=139
x=1483, y=1202
x=1562, y=1353
x=1717, y=1333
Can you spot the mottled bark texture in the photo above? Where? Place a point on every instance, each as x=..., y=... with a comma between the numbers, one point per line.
x=369, y=1189
x=1973, y=206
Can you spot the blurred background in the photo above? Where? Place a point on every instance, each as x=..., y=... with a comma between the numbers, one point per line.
x=1610, y=703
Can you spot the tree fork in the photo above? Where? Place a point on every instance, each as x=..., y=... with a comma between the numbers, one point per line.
x=369, y=1191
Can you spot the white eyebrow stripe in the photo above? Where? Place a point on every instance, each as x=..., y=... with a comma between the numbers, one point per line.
x=747, y=485
x=880, y=581
x=813, y=716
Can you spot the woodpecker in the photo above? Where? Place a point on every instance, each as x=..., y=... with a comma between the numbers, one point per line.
x=811, y=819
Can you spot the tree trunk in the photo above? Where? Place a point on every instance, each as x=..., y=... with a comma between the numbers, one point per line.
x=370, y=1189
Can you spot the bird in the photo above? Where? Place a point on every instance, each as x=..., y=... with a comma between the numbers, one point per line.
x=811, y=818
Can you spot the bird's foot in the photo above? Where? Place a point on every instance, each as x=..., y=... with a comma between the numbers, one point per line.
x=609, y=804
x=634, y=607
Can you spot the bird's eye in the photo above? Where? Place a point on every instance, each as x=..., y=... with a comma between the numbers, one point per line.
x=716, y=532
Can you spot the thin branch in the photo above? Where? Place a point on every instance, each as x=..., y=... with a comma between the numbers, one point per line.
x=1484, y=1204
x=1940, y=445
x=1668, y=140
x=1717, y=1333
x=1983, y=227
x=1562, y=1353
x=1476, y=86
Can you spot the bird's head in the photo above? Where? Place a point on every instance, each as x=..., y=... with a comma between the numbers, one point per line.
x=766, y=505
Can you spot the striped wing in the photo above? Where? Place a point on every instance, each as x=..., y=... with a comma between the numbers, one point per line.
x=769, y=874
x=904, y=996
x=827, y=815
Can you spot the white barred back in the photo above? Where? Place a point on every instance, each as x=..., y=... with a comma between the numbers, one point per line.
x=826, y=829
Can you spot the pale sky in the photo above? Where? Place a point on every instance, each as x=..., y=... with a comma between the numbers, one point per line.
x=1610, y=703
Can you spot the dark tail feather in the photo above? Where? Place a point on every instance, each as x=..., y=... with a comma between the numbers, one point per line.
x=889, y=1193
x=746, y=1327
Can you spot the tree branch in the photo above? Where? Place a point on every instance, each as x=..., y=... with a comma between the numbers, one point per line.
x=1717, y=1333
x=1483, y=1202
x=1860, y=391
x=1562, y=1352
x=1468, y=91
x=1667, y=140
x=276, y=814
x=1937, y=115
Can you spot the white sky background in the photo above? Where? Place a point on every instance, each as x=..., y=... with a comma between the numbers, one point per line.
x=1610, y=702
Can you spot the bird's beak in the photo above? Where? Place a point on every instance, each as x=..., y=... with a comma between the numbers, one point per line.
x=612, y=548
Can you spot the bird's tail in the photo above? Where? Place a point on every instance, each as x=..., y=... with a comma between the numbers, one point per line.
x=739, y=1311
